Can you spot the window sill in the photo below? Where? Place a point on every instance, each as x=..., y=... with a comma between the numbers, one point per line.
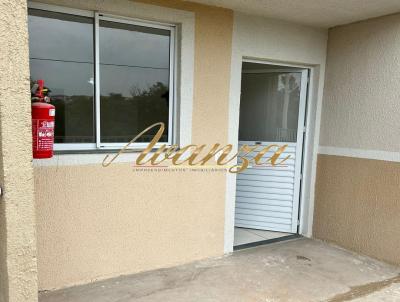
x=91, y=157
x=96, y=151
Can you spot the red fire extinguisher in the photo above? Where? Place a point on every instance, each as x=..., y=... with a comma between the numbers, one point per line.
x=43, y=115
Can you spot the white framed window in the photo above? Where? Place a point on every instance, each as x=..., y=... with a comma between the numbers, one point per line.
x=110, y=77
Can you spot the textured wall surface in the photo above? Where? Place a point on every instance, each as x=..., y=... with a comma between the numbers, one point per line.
x=18, y=274
x=103, y=222
x=292, y=43
x=358, y=205
x=361, y=106
x=357, y=200
x=95, y=222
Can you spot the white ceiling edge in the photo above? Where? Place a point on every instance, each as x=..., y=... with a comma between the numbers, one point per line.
x=316, y=13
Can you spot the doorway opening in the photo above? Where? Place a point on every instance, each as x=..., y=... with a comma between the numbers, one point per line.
x=272, y=112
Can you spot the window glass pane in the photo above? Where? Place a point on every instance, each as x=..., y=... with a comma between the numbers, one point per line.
x=61, y=53
x=269, y=107
x=134, y=80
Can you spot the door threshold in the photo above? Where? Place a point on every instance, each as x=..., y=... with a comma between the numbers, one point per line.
x=264, y=242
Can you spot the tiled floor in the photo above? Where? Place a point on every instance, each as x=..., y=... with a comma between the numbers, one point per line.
x=244, y=236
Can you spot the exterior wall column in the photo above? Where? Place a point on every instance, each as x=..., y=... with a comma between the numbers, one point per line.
x=18, y=270
x=358, y=176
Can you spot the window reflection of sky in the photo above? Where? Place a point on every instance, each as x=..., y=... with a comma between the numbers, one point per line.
x=61, y=52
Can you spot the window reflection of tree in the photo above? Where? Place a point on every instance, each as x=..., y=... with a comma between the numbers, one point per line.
x=74, y=118
x=124, y=117
x=121, y=117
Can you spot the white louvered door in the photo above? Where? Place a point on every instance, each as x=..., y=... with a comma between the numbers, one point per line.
x=272, y=112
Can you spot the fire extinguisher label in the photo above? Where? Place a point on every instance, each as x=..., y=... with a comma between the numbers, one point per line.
x=52, y=112
x=43, y=134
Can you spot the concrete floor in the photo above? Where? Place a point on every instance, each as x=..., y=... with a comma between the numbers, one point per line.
x=298, y=270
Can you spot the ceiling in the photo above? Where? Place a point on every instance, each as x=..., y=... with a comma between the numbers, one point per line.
x=318, y=13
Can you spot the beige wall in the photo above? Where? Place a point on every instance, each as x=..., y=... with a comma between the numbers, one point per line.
x=96, y=222
x=202, y=227
x=358, y=205
x=361, y=99
x=100, y=222
x=357, y=200
x=18, y=278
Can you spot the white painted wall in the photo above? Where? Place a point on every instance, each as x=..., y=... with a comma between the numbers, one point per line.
x=282, y=43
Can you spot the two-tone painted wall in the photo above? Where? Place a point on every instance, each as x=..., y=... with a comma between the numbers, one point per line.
x=357, y=200
x=95, y=222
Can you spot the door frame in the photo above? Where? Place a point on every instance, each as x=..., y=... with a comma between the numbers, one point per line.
x=311, y=134
x=301, y=127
